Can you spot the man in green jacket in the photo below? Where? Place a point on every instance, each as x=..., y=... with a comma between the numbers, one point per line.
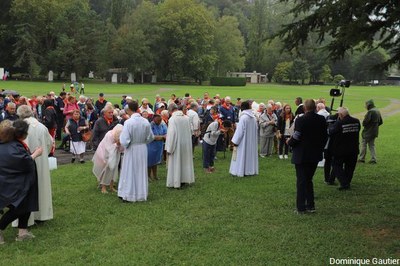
x=371, y=123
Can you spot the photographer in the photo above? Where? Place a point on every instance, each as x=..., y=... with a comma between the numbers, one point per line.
x=345, y=148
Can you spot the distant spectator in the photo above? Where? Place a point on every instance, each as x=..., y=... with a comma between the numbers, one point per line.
x=100, y=103
x=9, y=113
x=371, y=123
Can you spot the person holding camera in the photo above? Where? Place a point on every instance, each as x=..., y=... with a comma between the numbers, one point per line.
x=346, y=131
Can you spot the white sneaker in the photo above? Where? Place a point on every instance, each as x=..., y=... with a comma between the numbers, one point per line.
x=281, y=157
x=286, y=157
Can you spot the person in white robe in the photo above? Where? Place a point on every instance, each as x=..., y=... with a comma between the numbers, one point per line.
x=106, y=159
x=136, y=134
x=39, y=136
x=179, y=149
x=244, y=157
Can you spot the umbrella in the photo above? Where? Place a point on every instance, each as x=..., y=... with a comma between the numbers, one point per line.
x=8, y=92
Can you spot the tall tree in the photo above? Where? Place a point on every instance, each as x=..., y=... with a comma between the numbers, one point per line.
x=55, y=35
x=366, y=66
x=35, y=31
x=6, y=34
x=187, y=37
x=257, y=36
x=228, y=45
x=299, y=70
x=350, y=23
x=281, y=72
x=135, y=46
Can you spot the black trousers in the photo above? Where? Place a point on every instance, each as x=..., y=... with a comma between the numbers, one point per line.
x=208, y=155
x=11, y=215
x=305, y=186
x=283, y=145
x=60, y=125
x=328, y=168
x=344, y=167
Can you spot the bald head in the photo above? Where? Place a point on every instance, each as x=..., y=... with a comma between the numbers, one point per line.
x=320, y=106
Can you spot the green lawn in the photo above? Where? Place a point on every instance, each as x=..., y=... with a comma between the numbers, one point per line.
x=222, y=220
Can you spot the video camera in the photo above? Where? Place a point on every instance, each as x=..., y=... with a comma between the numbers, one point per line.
x=338, y=91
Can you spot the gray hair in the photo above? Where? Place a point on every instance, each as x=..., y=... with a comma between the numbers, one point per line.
x=164, y=113
x=172, y=107
x=193, y=105
x=343, y=111
x=108, y=107
x=24, y=111
x=11, y=104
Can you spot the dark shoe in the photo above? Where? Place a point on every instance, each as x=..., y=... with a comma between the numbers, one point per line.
x=82, y=161
x=343, y=188
x=361, y=161
x=372, y=162
x=330, y=183
x=72, y=160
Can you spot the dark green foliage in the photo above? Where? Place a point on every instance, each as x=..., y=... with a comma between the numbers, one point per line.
x=350, y=23
x=227, y=81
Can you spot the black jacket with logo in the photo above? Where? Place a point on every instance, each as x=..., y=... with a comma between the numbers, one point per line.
x=346, y=134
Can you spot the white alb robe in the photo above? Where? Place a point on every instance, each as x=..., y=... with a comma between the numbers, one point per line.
x=179, y=147
x=133, y=181
x=38, y=136
x=246, y=161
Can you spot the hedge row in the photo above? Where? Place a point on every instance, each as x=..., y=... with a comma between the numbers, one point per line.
x=227, y=81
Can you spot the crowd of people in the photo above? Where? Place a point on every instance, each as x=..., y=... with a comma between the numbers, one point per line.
x=133, y=137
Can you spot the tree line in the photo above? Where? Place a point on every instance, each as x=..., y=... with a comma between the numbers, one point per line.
x=173, y=39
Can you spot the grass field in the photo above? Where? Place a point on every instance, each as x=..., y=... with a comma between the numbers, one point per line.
x=221, y=220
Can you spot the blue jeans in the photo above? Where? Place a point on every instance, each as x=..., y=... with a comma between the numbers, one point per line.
x=208, y=155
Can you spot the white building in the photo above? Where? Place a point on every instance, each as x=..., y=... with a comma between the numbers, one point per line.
x=251, y=77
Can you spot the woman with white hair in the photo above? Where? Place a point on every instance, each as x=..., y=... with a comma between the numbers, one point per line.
x=105, y=123
x=106, y=159
x=267, y=124
x=145, y=107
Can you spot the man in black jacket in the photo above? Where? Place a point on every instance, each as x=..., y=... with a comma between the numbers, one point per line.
x=308, y=141
x=59, y=107
x=346, y=131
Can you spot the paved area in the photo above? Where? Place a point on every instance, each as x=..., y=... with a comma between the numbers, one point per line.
x=64, y=157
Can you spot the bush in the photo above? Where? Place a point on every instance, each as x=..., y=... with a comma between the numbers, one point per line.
x=338, y=78
x=227, y=81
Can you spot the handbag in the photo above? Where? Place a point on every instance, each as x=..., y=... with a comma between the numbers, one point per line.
x=52, y=163
x=87, y=136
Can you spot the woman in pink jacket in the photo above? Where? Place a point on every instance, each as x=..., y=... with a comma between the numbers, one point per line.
x=69, y=107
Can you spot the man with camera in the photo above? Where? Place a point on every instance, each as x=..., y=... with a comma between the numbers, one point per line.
x=346, y=131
